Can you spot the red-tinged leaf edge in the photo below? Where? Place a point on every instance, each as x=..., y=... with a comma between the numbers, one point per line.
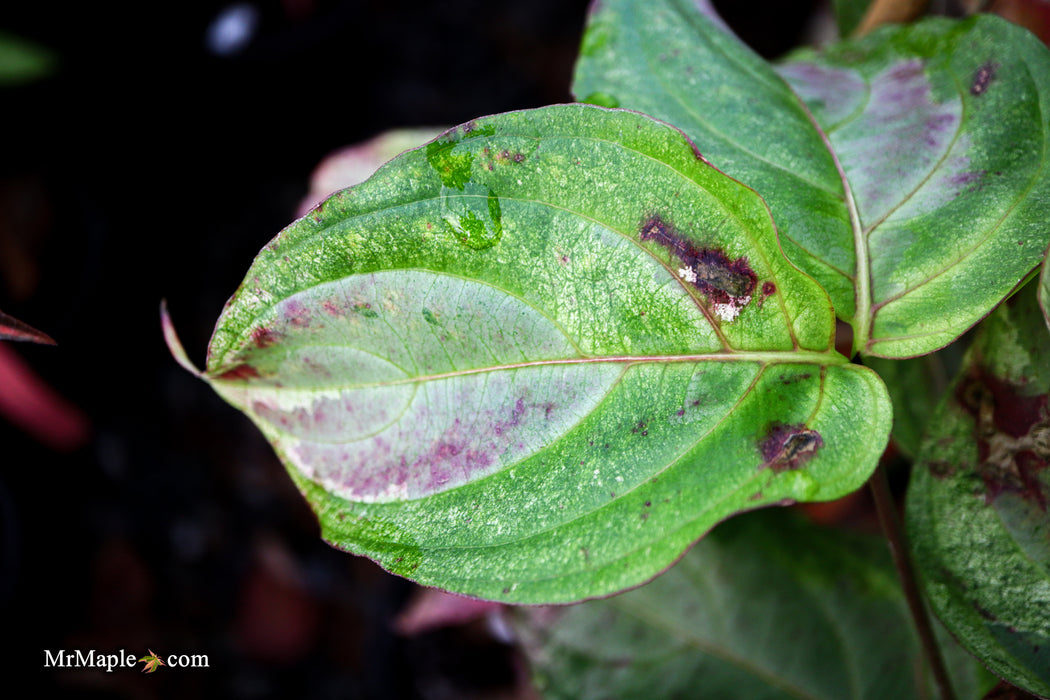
x=13, y=329
x=171, y=339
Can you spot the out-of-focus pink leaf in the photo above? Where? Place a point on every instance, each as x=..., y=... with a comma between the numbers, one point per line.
x=432, y=608
x=28, y=402
x=355, y=164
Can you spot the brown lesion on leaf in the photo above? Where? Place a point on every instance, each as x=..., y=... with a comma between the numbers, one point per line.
x=506, y=155
x=940, y=469
x=263, y=337
x=768, y=290
x=333, y=308
x=788, y=447
x=1013, y=436
x=240, y=373
x=709, y=270
x=503, y=156
x=983, y=77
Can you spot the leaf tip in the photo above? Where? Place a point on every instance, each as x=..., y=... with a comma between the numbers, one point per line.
x=171, y=339
x=13, y=329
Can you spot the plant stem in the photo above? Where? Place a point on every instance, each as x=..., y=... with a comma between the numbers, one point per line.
x=889, y=11
x=880, y=490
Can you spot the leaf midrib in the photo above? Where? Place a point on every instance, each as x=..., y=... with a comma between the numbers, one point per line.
x=824, y=358
x=965, y=254
x=861, y=263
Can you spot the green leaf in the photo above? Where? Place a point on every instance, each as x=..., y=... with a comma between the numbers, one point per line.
x=977, y=504
x=848, y=14
x=766, y=606
x=539, y=357
x=23, y=61
x=1044, y=292
x=905, y=171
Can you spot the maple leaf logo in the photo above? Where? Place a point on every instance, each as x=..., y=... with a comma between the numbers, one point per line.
x=152, y=662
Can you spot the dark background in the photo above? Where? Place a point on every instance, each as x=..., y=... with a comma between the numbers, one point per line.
x=147, y=167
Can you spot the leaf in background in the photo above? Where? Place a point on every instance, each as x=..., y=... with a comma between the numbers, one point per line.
x=354, y=164
x=916, y=155
x=13, y=329
x=766, y=606
x=915, y=386
x=33, y=406
x=977, y=504
x=538, y=358
x=22, y=61
x=848, y=14
x=1044, y=292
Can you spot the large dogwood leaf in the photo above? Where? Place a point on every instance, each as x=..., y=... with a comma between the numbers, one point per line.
x=766, y=606
x=977, y=503
x=906, y=171
x=537, y=358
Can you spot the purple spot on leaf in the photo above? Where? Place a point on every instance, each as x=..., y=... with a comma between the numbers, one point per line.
x=794, y=378
x=333, y=309
x=240, y=373
x=265, y=337
x=982, y=78
x=709, y=270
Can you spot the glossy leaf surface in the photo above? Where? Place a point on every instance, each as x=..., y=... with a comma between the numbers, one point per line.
x=905, y=171
x=767, y=606
x=537, y=358
x=977, y=504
